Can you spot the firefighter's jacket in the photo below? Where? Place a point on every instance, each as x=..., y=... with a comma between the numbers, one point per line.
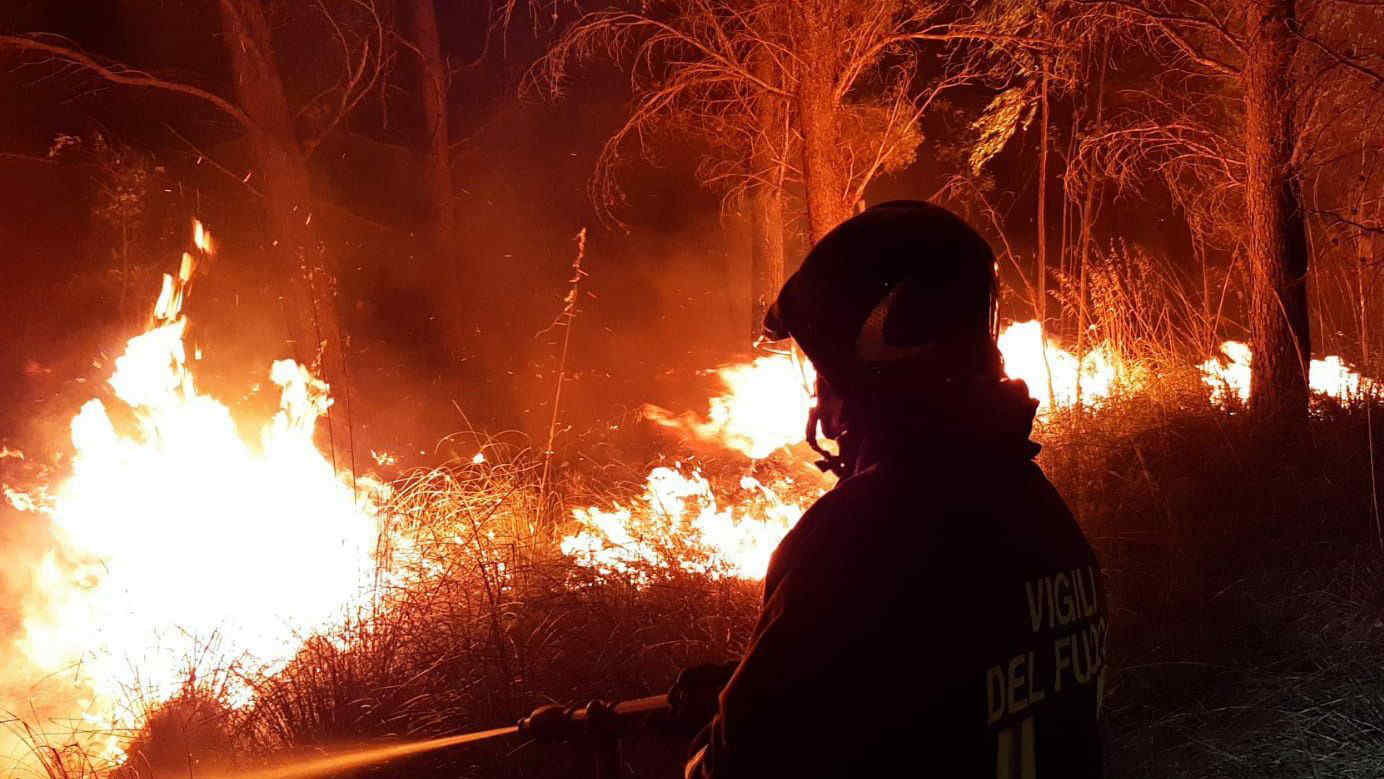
x=937, y=614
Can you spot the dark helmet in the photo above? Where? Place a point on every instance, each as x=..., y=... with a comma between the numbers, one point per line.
x=904, y=291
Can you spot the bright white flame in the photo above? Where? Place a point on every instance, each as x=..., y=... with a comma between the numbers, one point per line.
x=1022, y=345
x=1331, y=376
x=764, y=409
x=177, y=534
x=36, y=502
x=1230, y=375
x=201, y=238
x=678, y=521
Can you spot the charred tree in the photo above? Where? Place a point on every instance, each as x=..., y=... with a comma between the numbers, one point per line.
x=1277, y=236
x=285, y=183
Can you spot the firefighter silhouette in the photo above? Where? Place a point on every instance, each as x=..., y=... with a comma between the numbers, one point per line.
x=939, y=612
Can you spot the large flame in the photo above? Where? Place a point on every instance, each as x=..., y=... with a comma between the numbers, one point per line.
x=176, y=537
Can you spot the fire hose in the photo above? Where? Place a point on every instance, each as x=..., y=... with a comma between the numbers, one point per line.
x=556, y=722
x=599, y=724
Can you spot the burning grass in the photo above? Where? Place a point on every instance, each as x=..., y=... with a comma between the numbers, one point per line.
x=179, y=547
x=485, y=617
x=1243, y=585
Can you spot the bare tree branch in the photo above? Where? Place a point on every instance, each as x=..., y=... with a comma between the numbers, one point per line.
x=1353, y=64
x=123, y=74
x=201, y=155
x=1167, y=25
x=363, y=66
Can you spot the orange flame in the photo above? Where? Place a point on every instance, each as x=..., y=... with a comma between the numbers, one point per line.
x=764, y=410
x=679, y=521
x=766, y=401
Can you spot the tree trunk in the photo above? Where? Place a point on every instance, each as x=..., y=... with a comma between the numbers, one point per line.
x=1277, y=236
x=766, y=251
x=824, y=166
x=437, y=168
x=1040, y=305
x=284, y=180
x=1087, y=215
x=766, y=201
x=124, y=270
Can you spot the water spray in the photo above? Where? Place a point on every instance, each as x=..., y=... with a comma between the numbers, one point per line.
x=599, y=722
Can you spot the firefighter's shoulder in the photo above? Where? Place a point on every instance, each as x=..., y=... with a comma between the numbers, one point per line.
x=856, y=522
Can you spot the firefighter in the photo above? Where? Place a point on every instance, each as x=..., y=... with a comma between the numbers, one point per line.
x=939, y=612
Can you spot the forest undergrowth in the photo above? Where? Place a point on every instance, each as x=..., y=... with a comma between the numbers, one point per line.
x=1244, y=579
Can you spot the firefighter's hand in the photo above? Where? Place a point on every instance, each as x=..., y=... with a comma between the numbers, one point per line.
x=547, y=724
x=693, y=697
